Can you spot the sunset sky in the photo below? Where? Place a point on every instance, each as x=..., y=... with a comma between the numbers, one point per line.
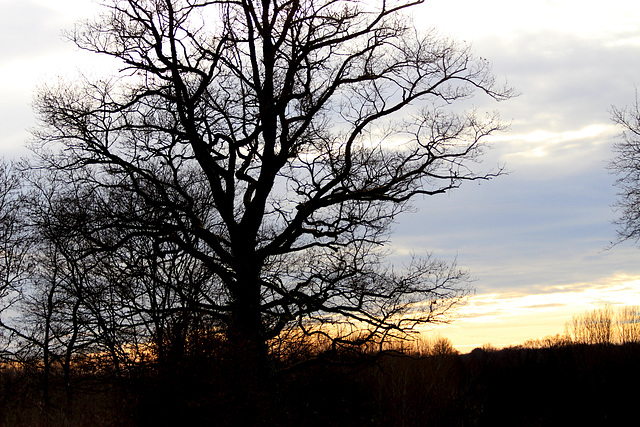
x=535, y=240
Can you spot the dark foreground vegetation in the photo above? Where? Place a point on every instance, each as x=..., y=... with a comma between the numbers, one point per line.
x=554, y=384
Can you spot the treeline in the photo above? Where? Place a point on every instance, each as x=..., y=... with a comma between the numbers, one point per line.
x=604, y=325
x=554, y=381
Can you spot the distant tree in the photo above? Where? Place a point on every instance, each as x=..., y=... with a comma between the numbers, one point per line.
x=605, y=325
x=593, y=327
x=627, y=320
x=272, y=144
x=15, y=261
x=626, y=165
x=126, y=300
x=549, y=341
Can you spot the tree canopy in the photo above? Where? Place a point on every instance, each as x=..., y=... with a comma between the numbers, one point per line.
x=626, y=165
x=243, y=169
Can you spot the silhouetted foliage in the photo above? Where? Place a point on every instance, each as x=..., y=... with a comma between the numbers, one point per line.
x=242, y=172
x=605, y=325
x=593, y=327
x=572, y=384
x=218, y=210
x=626, y=165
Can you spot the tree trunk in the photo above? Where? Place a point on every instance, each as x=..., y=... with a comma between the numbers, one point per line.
x=248, y=358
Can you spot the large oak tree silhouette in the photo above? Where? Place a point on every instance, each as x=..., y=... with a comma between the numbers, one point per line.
x=268, y=145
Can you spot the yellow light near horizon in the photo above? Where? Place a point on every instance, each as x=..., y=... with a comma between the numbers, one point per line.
x=509, y=319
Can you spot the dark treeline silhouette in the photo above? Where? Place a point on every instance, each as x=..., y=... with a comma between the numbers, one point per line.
x=549, y=382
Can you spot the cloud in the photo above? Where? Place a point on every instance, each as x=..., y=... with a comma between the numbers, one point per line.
x=23, y=24
x=565, y=80
x=522, y=234
x=548, y=305
x=546, y=224
x=472, y=20
x=561, y=153
x=541, y=231
x=33, y=53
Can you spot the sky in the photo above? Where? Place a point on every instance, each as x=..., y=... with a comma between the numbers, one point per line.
x=537, y=240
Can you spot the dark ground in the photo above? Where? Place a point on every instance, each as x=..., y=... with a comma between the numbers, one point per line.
x=558, y=386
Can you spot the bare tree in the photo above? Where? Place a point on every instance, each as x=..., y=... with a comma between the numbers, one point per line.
x=593, y=327
x=627, y=320
x=626, y=164
x=273, y=143
x=605, y=326
x=15, y=260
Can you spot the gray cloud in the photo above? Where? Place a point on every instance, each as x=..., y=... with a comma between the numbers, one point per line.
x=565, y=80
x=545, y=225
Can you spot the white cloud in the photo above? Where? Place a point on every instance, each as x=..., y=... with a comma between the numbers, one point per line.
x=34, y=53
x=559, y=153
x=472, y=20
